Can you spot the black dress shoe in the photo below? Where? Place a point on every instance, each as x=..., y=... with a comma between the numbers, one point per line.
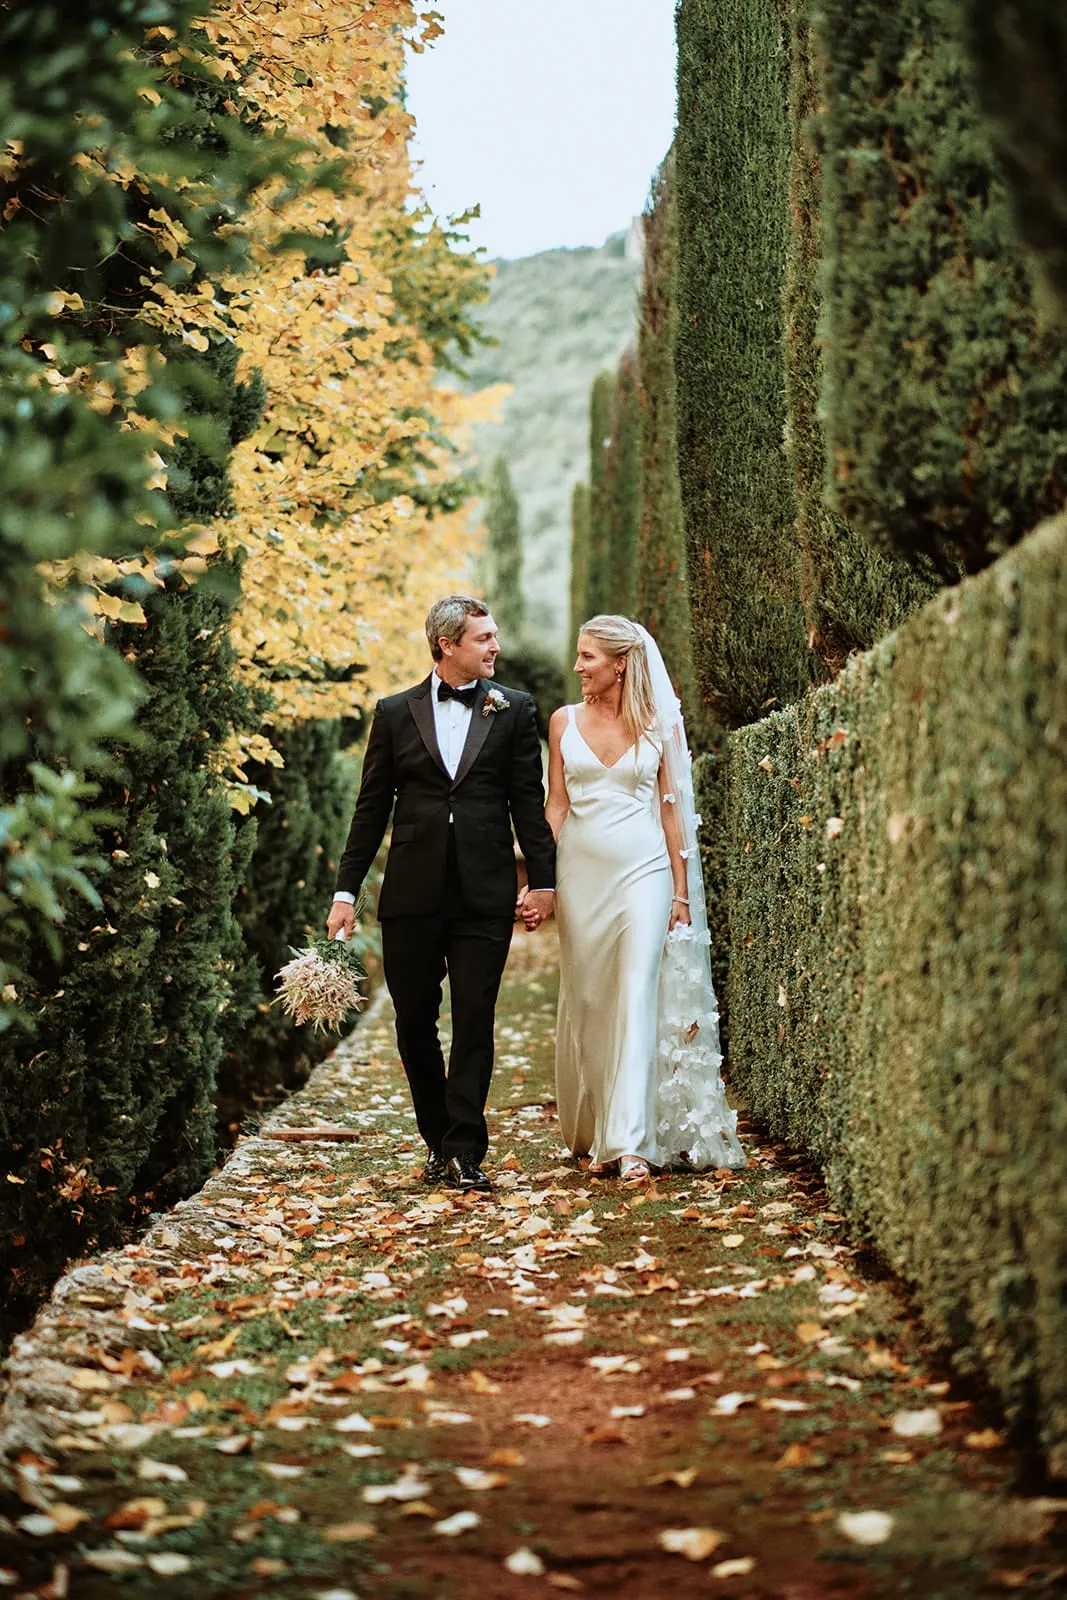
x=467, y=1175
x=436, y=1169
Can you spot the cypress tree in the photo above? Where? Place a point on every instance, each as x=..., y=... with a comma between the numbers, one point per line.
x=502, y=557
x=601, y=416
x=945, y=398
x=579, y=584
x=622, y=489
x=852, y=592
x=1019, y=49
x=661, y=599
x=731, y=167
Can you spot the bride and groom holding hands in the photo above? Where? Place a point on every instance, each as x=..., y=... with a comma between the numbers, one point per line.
x=456, y=761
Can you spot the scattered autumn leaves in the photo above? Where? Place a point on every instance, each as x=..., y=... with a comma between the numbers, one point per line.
x=321, y=1365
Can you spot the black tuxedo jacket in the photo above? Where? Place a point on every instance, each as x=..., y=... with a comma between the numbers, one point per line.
x=498, y=782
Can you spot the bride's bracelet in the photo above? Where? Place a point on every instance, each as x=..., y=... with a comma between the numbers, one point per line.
x=679, y=899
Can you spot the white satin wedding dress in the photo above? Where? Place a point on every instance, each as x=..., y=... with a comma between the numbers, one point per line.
x=637, y=1058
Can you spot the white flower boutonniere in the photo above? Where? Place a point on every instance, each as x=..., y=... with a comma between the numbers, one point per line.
x=494, y=702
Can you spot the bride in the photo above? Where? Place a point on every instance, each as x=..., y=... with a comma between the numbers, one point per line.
x=637, y=1041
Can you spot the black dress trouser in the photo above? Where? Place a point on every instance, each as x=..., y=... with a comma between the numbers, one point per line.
x=417, y=952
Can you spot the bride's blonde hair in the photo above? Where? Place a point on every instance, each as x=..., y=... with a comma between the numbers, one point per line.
x=619, y=638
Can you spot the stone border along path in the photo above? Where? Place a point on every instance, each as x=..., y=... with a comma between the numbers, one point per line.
x=318, y=1378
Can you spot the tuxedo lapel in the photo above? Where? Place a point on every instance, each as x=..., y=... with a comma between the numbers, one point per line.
x=477, y=734
x=421, y=707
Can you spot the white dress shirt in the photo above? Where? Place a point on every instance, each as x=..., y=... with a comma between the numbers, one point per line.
x=451, y=721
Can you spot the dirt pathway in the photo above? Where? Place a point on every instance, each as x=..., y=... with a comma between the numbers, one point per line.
x=318, y=1378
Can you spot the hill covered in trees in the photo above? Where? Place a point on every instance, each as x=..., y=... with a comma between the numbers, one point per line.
x=559, y=317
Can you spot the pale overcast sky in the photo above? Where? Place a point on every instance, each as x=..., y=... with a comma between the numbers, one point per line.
x=552, y=114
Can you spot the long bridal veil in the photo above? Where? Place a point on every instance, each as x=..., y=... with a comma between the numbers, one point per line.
x=694, y=1123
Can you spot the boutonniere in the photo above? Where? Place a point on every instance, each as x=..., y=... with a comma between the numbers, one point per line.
x=495, y=701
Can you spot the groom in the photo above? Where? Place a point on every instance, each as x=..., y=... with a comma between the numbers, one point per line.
x=462, y=761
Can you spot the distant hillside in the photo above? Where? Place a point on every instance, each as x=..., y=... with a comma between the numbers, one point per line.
x=560, y=317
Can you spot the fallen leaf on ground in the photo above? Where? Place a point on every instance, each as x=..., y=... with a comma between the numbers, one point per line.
x=608, y=1434
x=461, y=1522
x=799, y=1455
x=865, y=1527
x=474, y=1478
x=917, y=1424
x=164, y=1471
x=696, y=1544
x=532, y=1419
x=811, y=1332
x=739, y=1567
x=525, y=1563
x=347, y=1532
x=986, y=1439
x=168, y=1563
x=684, y=1477
x=727, y=1404
x=410, y=1486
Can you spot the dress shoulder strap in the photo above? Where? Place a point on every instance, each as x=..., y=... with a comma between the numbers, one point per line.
x=570, y=715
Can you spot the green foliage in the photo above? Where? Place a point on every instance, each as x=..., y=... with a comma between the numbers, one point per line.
x=502, y=556
x=531, y=667
x=601, y=420
x=282, y=903
x=622, y=489
x=852, y=592
x=897, y=891
x=109, y=1106
x=661, y=588
x=558, y=318
x=579, y=564
x=731, y=155
x=1019, y=50
x=75, y=250
x=945, y=399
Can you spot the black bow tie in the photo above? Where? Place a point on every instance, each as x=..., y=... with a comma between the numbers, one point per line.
x=445, y=691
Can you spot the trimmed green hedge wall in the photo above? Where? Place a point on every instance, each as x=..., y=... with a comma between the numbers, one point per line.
x=731, y=155
x=601, y=413
x=1019, y=49
x=945, y=397
x=622, y=488
x=661, y=599
x=579, y=580
x=897, y=886
x=852, y=593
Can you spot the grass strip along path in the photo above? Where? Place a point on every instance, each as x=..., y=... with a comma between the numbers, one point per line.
x=319, y=1378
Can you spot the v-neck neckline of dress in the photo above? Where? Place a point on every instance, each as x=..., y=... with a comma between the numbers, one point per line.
x=592, y=752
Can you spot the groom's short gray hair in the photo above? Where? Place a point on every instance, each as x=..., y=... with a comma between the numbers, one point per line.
x=447, y=619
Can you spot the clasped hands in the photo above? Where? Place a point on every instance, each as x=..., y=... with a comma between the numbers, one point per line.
x=534, y=906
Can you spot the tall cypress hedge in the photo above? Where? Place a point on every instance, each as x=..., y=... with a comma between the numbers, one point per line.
x=601, y=416
x=731, y=165
x=502, y=556
x=1019, y=48
x=107, y=1108
x=945, y=396
x=581, y=534
x=622, y=489
x=661, y=598
x=897, y=871
x=852, y=592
